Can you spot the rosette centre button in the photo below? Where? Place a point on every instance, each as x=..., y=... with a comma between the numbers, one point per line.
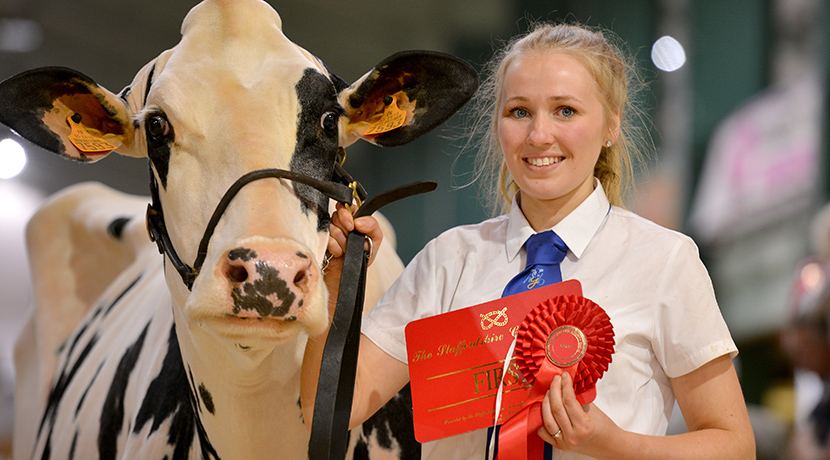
x=566, y=345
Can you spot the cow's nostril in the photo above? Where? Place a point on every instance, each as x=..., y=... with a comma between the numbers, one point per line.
x=299, y=277
x=237, y=273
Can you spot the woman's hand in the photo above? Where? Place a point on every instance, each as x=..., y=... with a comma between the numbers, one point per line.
x=343, y=222
x=709, y=397
x=569, y=425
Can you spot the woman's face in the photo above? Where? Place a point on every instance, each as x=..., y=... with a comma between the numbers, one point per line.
x=551, y=129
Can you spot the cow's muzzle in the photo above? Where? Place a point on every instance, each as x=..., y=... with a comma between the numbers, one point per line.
x=158, y=230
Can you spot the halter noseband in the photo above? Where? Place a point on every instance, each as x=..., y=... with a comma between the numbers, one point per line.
x=157, y=229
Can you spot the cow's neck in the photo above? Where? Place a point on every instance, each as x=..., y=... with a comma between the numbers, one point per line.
x=254, y=394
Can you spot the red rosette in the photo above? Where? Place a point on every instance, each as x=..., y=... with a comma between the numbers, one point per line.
x=570, y=332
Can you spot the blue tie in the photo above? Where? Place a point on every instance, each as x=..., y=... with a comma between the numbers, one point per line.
x=545, y=251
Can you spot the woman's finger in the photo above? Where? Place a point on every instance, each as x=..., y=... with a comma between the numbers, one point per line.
x=343, y=218
x=549, y=426
x=557, y=425
x=575, y=410
x=337, y=241
x=557, y=404
x=341, y=224
x=370, y=227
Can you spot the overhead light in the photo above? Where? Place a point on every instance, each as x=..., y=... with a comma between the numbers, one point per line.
x=18, y=35
x=12, y=158
x=668, y=54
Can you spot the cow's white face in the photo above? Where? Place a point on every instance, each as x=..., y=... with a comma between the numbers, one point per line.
x=233, y=97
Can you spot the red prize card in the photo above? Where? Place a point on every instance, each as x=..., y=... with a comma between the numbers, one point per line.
x=456, y=361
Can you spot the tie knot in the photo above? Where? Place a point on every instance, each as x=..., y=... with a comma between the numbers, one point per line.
x=545, y=248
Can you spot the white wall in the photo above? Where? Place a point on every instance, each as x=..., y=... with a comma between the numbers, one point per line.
x=17, y=203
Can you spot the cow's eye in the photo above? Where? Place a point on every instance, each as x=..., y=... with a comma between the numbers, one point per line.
x=158, y=127
x=329, y=121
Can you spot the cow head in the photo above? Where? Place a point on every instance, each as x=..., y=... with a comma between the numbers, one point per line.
x=236, y=96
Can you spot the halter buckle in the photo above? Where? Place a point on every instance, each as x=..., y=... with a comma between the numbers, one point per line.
x=356, y=199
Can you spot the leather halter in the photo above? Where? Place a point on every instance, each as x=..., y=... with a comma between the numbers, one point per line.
x=158, y=230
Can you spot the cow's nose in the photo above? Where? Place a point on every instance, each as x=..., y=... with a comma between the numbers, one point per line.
x=269, y=281
x=244, y=263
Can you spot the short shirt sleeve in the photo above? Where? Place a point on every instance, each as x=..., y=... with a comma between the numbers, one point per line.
x=415, y=294
x=690, y=330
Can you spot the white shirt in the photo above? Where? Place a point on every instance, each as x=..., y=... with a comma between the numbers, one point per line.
x=649, y=280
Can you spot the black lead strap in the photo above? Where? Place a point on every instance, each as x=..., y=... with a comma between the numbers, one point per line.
x=335, y=388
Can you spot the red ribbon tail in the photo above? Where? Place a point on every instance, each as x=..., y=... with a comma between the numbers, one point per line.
x=535, y=446
x=513, y=437
x=518, y=437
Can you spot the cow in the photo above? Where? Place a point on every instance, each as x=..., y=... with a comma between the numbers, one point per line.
x=133, y=355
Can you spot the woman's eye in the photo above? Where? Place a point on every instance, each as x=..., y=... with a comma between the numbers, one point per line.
x=519, y=112
x=157, y=126
x=567, y=112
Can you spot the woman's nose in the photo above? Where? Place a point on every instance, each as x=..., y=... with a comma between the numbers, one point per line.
x=541, y=132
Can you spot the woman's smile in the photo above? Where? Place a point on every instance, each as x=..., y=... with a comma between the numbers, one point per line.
x=543, y=161
x=552, y=128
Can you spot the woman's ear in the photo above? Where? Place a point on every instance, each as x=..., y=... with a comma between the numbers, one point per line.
x=614, y=127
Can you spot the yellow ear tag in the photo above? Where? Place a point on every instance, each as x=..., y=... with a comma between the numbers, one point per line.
x=84, y=141
x=392, y=118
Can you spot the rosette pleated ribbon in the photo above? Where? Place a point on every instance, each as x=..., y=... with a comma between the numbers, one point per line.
x=564, y=334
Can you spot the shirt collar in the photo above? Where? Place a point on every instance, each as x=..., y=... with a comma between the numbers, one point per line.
x=576, y=229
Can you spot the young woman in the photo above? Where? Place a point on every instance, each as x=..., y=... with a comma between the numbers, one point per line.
x=559, y=130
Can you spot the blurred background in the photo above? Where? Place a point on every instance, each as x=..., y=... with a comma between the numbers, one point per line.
x=737, y=99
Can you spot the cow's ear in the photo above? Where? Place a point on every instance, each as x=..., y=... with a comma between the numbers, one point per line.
x=67, y=113
x=405, y=96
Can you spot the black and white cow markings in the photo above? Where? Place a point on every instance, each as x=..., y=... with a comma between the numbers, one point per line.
x=70, y=368
x=182, y=361
x=76, y=352
x=170, y=397
x=206, y=399
x=166, y=409
x=264, y=291
x=112, y=412
x=382, y=430
x=268, y=294
x=317, y=139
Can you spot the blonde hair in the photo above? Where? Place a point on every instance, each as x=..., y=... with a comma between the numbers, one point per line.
x=616, y=80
